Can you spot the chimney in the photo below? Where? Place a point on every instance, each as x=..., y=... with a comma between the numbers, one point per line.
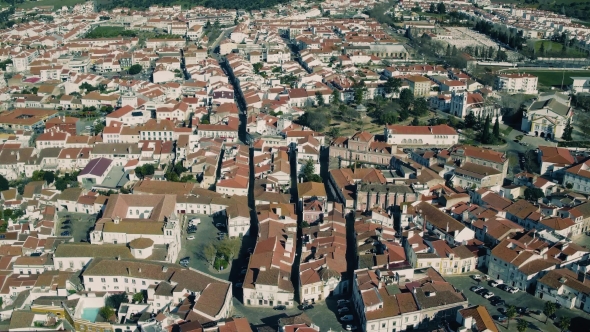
x=262, y=268
x=447, y=226
x=468, y=322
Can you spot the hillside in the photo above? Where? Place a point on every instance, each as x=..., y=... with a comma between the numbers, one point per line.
x=144, y=4
x=579, y=9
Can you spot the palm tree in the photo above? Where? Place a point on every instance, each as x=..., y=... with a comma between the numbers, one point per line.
x=522, y=325
x=510, y=313
x=549, y=310
x=564, y=323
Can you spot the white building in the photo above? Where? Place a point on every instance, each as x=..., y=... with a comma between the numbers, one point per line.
x=580, y=84
x=421, y=135
x=517, y=83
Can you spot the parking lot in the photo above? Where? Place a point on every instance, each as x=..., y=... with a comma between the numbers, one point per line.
x=580, y=320
x=207, y=233
x=79, y=224
x=322, y=314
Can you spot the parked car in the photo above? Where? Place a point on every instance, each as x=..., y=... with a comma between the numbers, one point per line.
x=504, y=287
x=476, y=288
x=513, y=290
x=244, y=271
x=347, y=318
x=500, y=318
x=495, y=283
x=349, y=327
x=476, y=277
x=190, y=237
x=494, y=298
x=195, y=221
x=280, y=307
x=219, y=225
x=522, y=310
x=238, y=284
x=481, y=291
x=342, y=301
x=305, y=306
x=488, y=295
x=65, y=233
x=498, y=303
x=343, y=310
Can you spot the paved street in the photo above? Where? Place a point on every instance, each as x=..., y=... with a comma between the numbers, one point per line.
x=79, y=226
x=580, y=319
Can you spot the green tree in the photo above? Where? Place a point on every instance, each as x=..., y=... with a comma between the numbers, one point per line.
x=333, y=132
x=115, y=300
x=406, y=98
x=61, y=184
x=209, y=251
x=106, y=312
x=148, y=169
x=393, y=84
x=317, y=119
x=485, y=137
x=564, y=323
x=98, y=128
x=533, y=194
x=359, y=92
x=496, y=130
x=257, y=66
x=229, y=248
x=542, y=48
x=567, y=131
x=49, y=177
x=510, y=313
x=135, y=69
x=139, y=172
x=522, y=325
x=432, y=8
x=549, y=310
x=4, y=185
x=308, y=171
x=335, y=97
x=415, y=122
x=138, y=297
x=388, y=118
x=319, y=98
x=441, y=8
x=420, y=107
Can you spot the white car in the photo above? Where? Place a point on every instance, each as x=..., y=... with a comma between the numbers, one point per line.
x=495, y=283
x=190, y=237
x=349, y=327
x=476, y=277
x=488, y=295
x=195, y=221
x=513, y=290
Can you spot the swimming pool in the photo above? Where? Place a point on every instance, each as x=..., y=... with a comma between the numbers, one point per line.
x=90, y=314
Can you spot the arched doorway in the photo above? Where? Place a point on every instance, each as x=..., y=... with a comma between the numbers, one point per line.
x=536, y=133
x=542, y=134
x=548, y=135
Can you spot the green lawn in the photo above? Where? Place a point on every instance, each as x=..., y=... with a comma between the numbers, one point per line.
x=549, y=78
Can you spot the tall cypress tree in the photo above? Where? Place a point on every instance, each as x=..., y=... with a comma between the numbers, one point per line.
x=496, y=131
x=485, y=132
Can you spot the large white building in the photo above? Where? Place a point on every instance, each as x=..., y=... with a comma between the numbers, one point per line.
x=517, y=83
x=580, y=84
x=421, y=135
x=547, y=116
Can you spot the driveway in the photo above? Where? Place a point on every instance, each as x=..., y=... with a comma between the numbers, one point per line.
x=580, y=319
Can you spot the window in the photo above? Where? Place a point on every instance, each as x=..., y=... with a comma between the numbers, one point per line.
x=126, y=280
x=115, y=280
x=143, y=282
x=103, y=280
x=383, y=325
x=89, y=279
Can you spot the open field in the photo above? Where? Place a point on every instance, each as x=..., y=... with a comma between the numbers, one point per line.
x=553, y=78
